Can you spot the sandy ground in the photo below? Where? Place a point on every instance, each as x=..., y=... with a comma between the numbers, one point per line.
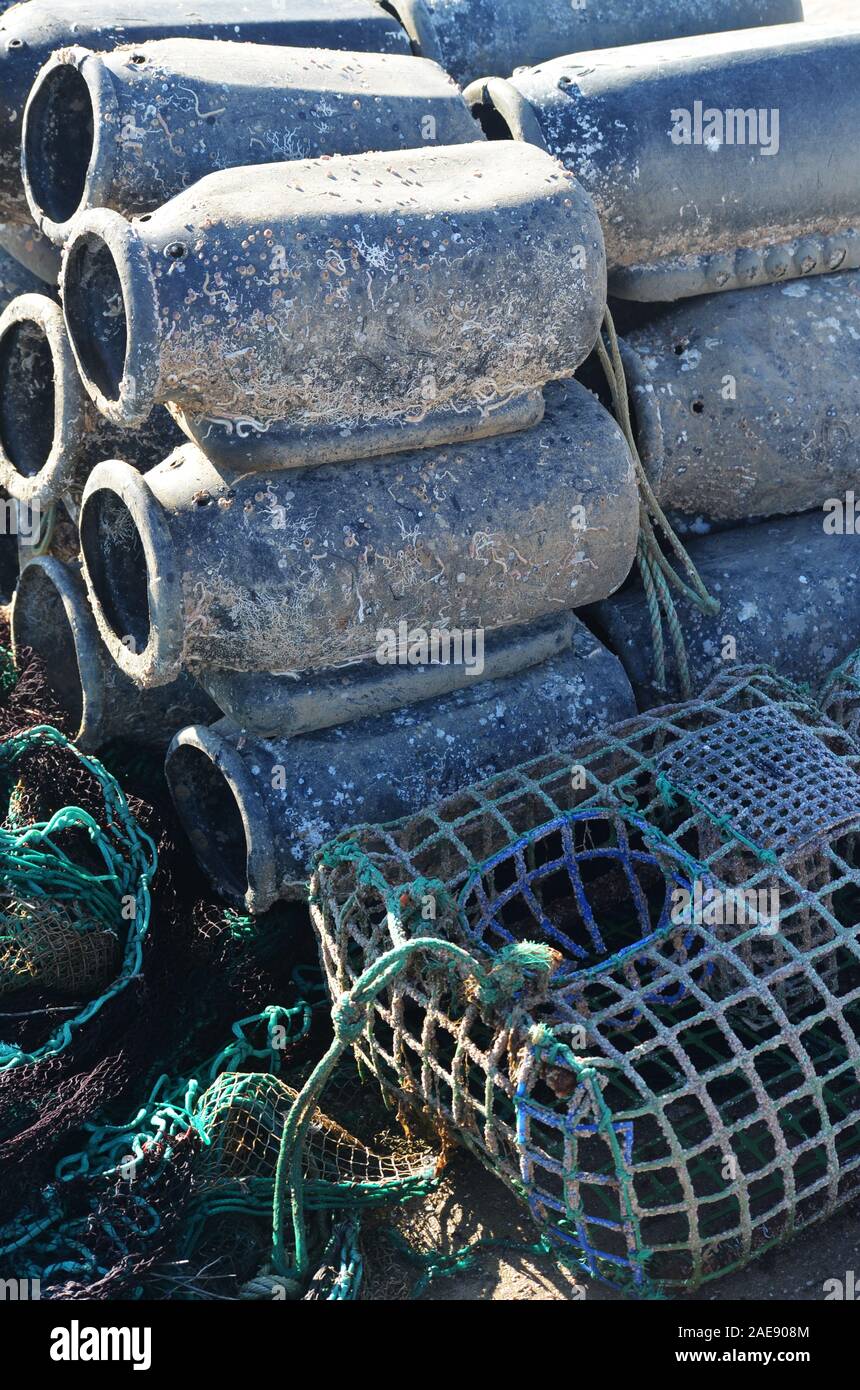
x=473, y=1204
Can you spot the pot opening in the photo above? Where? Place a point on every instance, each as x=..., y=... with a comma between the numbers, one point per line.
x=96, y=313
x=491, y=120
x=211, y=814
x=9, y=560
x=58, y=142
x=41, y=622
x=26, y=397
x=116, y=564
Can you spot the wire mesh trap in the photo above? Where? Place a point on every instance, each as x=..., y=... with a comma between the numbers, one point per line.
x=679, y=1088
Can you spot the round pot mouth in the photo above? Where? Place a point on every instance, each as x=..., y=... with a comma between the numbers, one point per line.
x=68, y=141
x=417, y=22
x=42, y=403
x=131, y=574
x=223, y=815
x=50, y=615
x=502, y=112
x=111, y=313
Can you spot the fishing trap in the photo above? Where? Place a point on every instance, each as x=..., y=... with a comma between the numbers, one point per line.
x=678, y=1088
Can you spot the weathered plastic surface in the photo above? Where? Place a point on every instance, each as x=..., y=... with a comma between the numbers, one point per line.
x=755, y=396
x=284, y=706
x=255, y=811
x=51, y=615
x=789, y=595
x=31, y=32
x=297, y=571
x=16, y=279
x=716, y=213
x=474, y=37
x=51, y=435
x=33, y=251
x=129, y=129
x=334, y=308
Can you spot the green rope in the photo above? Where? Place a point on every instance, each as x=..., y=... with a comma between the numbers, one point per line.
x=440, y=1265
x=847, y=672
x=47, y=527
x=33, y=866
x=171, y=1109
x=240, y=926
x=657, y=573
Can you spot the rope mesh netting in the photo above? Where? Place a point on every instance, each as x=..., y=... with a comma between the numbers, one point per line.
x=114, y=980
x=680, y=1089
x=840, y=695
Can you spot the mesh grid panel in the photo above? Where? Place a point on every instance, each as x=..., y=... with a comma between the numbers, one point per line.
x=685, y=1091
x=768, y=774
x=243, y=1114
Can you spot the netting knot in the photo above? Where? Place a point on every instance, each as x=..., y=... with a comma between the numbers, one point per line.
x=520, y=964
x=348, y=1018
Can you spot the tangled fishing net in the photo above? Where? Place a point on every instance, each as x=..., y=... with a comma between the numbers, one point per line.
x=76, y=892
x=177, y=1201
x=121, y=972
x=109, y=971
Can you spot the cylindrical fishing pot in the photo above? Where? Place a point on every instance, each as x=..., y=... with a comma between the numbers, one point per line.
x=416, y=665
x=16, y=279
x=255, y=810
x=480, y=36
x=129, y=129
x=51, y=434
x=33, y=252
x=714, y=162
x=30, y=33
x=789, y=593
x=188, y=565
x=51, y=616
x=754, y=395
x=333, y=308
